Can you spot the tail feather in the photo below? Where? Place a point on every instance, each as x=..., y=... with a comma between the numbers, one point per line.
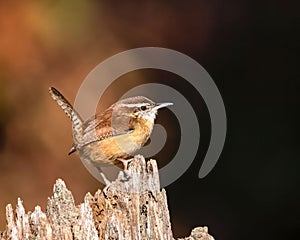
x=61, y=101
x=70, y=112
x=72, y=150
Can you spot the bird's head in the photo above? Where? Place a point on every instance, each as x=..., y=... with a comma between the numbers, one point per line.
x=139, y=107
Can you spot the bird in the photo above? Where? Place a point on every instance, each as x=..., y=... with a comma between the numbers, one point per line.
x=114, y=135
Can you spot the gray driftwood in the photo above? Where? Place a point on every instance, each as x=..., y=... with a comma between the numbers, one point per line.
x=131, y=208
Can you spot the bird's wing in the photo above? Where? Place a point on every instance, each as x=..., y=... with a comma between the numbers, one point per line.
x=101, y=127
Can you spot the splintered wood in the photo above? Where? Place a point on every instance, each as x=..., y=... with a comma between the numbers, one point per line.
x=132, y=207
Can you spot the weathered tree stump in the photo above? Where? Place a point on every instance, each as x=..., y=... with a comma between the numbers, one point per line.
x=133, y=207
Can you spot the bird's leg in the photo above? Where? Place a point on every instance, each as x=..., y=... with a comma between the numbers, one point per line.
x=106, y=181
x=125, y=163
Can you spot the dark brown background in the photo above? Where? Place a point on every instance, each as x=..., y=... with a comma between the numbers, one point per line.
x=248, y=47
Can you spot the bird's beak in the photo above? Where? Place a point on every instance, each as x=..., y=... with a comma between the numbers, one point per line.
x=161, y=105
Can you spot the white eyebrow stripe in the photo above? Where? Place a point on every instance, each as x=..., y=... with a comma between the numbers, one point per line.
x=133, y=105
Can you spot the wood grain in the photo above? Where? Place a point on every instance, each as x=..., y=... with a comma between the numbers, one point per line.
x=132, y=207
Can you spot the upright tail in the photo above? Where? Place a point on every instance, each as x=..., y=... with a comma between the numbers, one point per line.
x=62, y=101
x=71, y=113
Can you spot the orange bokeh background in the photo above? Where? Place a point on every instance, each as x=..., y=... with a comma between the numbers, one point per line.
x=248, y=47
x=56, y=43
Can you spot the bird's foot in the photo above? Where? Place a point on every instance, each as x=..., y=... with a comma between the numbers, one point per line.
x=124, y=176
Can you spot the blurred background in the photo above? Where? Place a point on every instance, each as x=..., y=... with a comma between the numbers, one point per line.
x=248, y=47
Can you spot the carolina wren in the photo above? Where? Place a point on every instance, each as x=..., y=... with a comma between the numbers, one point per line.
x=115, y=134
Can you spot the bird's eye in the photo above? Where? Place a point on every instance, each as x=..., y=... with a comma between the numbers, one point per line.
x=143, y=108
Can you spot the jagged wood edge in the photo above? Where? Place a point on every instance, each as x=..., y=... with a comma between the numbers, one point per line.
x=102, y=214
